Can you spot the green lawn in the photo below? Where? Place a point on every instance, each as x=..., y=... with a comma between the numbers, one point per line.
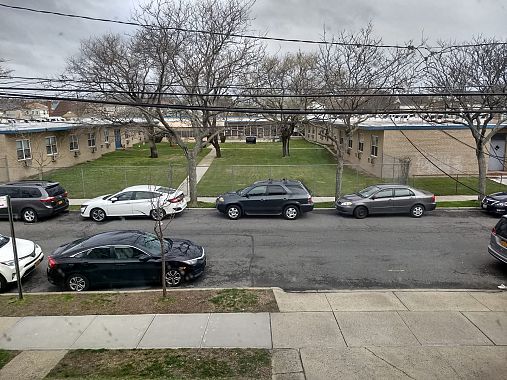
x=240, y=165
x=117, y=170
x=243, y=164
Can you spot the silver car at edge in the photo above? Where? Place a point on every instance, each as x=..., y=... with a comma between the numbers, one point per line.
x=498, y=242
x=387, y=199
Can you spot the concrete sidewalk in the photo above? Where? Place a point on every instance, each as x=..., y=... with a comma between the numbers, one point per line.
x=316, y=335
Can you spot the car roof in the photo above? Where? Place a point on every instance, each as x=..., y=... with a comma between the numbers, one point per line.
x=277, y=182
x=142, y=188
x=32, y=183
x=127, y=237
x=392, y=186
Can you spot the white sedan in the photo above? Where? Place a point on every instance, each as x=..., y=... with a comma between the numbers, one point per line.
x=29, y=257
x=149, y=200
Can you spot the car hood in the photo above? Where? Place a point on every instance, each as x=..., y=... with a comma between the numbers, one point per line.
x=501, y=196
x=229, y=195
x=99, y=199
x=350, y=198
x=23, y=247
x=185, y=249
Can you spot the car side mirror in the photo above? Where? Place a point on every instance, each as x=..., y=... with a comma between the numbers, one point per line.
x=373, y=197
x=247, y=196
x=144, y=258
x=114, y=199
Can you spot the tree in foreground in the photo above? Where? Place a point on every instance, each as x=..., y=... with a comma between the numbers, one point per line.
x=472, y=81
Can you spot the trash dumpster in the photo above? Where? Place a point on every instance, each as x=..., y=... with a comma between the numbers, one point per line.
x=251, y=139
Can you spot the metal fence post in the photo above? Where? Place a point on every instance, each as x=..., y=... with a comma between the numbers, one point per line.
x=457, y=179
x=232, y=177
x=83, y=183
x=125, y=174
x=170, y=176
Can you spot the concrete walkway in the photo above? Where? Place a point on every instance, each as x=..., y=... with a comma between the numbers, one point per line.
x=316, y=335
x=201, y=169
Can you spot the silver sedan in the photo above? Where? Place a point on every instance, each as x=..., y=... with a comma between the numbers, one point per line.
x=386, y=199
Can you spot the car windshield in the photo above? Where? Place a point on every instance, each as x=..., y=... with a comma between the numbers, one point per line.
x=151, y=243
x=242, y=191
x=369, y=191
x=3, y=240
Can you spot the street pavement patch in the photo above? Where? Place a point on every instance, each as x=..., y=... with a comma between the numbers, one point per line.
x=307, y=329
x=301, y=301
x=493, y=324
x=443, y=328
x=375, y=329
x=364, y=301
x=495, y=301
x=440, y=301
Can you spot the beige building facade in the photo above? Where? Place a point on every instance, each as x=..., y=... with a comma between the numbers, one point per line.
x=27, y=150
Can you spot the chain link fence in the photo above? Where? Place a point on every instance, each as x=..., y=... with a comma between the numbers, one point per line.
x=88, y=181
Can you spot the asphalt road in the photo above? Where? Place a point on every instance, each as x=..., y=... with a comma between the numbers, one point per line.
x=321, y=250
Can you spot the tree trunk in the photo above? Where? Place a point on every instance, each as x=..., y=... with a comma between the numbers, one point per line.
x=285, y=146
x=483, y=169
x=153, y=146
x=216, y=145
x=192, y=178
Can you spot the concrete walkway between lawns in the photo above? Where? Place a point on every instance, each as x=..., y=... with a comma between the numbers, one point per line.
x=202, y=168
x=316, y=335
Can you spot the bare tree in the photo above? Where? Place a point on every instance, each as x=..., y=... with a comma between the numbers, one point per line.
x=480, y=67
x=285, y=78
x=168, y=62
x=3, y=69
x=357, y=65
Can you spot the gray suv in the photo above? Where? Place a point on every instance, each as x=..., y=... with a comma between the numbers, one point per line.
x=32, y=200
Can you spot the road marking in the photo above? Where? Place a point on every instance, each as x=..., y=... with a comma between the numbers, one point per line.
x=396, y=270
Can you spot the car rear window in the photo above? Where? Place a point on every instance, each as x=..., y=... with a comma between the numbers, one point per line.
x=501, y=228
x=296, y=189
x=55, y=190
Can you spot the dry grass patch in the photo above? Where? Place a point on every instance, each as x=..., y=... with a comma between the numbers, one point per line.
x=164, y=364
x=177, y=302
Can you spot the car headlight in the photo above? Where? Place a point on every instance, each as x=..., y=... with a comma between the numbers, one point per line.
x=190, y=262
x=83, y=208
x=220, y=199
x=347, y=204
x=500, y=204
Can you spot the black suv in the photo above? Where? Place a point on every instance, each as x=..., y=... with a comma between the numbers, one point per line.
x=271, y=197
x=32, y=200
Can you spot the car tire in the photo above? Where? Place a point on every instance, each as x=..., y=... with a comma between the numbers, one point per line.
x=360, y=212
x=157, y=214
x=173, y=277
x=291, y=212
x=417, y=211
x=29, y=215
x=233, y=212
x=77, y=282
x=98, y=215
x=3, y=284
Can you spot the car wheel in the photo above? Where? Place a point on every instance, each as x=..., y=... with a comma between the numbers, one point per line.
x=3, y=284
x=98, y=214
x=173, y=277
x=77, y=283
x=29, y=215
x=290, y=212
x=157, y=214
x=417, y=211
x=360, y=212
x=233, y=212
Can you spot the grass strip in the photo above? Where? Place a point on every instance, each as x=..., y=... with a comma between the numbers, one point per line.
x=151, y=302
x=164, y=364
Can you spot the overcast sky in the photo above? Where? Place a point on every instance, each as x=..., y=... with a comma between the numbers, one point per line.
x=38, y=45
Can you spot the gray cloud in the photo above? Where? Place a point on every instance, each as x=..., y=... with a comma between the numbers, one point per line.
x=37, y=44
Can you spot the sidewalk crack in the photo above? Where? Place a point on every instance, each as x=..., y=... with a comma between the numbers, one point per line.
x=388, y=363
x=205, y=330
x=146, y=330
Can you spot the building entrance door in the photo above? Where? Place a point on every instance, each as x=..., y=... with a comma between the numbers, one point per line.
x=497, y=153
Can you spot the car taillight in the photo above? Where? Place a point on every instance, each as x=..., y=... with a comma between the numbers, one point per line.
x=66, y=194
x=493, y=231
x=177, y=199
x=47, y=199
x=433, y=198
x=51, y=262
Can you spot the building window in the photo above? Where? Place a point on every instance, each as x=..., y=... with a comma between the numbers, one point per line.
x=106, y=135
x=51, y=148
x=350, y=143
x=374, y=146
x=73, y=143
x=341, y=137
x=91, y=140
x=360, y=144
x=23, y=150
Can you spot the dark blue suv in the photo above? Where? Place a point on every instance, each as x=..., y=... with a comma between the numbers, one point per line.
x=270, y=197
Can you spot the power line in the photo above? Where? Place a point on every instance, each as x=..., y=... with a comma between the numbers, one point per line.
x=131, y=23
x=286, y=111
